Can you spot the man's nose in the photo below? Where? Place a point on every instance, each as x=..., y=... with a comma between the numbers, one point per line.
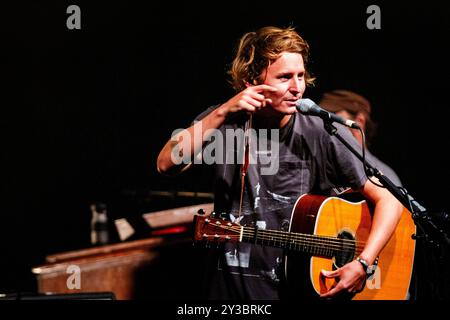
x=295, y=86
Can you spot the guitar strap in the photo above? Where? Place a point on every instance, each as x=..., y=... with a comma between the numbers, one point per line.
x=245, y=162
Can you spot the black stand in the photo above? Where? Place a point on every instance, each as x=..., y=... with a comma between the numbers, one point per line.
x=432, y=236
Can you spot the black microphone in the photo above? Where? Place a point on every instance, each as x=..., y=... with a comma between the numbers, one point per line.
x=309, y=107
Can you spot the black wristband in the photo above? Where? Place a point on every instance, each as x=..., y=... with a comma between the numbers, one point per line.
x=364, y=264
x=369, y=270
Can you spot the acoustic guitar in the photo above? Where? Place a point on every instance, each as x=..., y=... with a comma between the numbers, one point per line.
x=326, y=233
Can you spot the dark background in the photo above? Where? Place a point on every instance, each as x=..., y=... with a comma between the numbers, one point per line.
x=85, y=112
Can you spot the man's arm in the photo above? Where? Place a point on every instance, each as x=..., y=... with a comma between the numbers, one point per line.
x=388, y=211
x=387, y=214
x=186, y=144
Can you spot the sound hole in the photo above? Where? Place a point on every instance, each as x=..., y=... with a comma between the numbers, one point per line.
x=346, y=251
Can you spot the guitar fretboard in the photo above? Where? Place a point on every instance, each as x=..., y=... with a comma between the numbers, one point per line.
x=312, y=244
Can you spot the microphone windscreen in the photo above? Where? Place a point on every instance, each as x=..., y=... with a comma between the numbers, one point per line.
x=305, y=105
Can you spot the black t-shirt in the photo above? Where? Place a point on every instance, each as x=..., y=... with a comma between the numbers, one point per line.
x=304, y=158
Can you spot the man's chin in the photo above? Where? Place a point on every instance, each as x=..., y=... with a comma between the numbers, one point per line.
x=280, y=110
x=290, y=110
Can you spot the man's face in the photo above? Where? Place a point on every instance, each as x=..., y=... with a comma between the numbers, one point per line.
x=287, y=74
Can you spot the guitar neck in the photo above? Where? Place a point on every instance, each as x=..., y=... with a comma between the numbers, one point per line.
x=311, y=244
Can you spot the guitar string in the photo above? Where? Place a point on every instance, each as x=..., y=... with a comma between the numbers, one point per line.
x=320, y=244
x=281, y=234
x=318, y=249
x=334, y=243
x=286, y=234
x=278, y=234
x=275, y=235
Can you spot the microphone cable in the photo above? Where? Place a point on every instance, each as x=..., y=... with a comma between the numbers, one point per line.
x=368, y=171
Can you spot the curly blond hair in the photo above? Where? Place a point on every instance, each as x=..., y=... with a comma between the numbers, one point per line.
x=257, y=50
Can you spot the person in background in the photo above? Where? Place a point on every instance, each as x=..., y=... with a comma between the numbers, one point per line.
x=353, y=106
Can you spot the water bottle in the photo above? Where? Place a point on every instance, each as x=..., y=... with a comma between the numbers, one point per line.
x=99, y=224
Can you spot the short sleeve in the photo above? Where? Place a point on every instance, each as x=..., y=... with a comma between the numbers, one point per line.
x=342, y=167
x=205, y=113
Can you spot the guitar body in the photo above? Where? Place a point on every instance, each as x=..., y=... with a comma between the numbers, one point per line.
x=348, y=219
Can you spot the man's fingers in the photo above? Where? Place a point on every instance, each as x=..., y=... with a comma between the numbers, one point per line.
x=265, y=102
x=260, y=97
x=256, y=96
x=247, y=106
x=253, y=102
x=330, y=274
x=264, y=87
x=332, y=292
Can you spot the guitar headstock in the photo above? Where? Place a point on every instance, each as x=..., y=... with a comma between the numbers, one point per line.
x=210, y=229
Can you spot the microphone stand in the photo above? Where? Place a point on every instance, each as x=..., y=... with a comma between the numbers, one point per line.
x=431, y=234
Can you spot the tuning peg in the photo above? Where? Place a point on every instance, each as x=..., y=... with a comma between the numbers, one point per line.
x=201, y=212
x=224, y=215
x=213, y=214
